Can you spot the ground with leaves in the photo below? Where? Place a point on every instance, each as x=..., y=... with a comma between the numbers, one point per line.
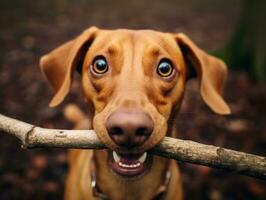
x=30, y=30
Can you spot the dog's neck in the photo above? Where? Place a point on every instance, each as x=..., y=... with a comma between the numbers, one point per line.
x=111, y=186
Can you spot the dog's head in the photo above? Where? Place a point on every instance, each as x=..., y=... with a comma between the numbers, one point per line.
x=133, y=82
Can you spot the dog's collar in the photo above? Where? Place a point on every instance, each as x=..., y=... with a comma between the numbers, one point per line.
x=95, y=189
x=159, y=195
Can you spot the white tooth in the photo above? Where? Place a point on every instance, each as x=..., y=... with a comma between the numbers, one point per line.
x=129, y=166
x=143, y=158
x=116, y=157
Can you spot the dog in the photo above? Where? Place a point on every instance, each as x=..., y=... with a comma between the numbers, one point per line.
x=133, y=83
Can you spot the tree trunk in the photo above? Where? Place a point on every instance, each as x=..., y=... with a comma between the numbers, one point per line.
x=246, y=49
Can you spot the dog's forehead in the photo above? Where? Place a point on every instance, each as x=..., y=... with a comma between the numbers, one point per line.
x=153, y=40
x=129, y=33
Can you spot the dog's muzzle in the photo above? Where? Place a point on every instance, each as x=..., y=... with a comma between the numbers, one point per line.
x=129, y=129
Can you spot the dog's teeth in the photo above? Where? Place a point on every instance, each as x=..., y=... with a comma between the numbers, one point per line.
x=128, y=166
x=143, y=158
x=122, y=165
x=116, y=157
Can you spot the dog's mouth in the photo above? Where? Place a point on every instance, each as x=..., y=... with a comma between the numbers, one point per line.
x=129, y=165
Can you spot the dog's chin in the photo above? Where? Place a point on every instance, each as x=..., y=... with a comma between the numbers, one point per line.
x=129, y=165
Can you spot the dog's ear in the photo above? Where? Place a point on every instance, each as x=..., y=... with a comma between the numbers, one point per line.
x=59, y=64
x=210, y=71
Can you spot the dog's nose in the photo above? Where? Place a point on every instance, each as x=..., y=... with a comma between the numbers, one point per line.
x=129, y=128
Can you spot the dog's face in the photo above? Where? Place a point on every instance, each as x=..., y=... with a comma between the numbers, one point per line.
x=133, y=82
x=133, y=78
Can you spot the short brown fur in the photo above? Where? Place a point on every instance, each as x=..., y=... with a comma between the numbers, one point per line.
x=131, y=82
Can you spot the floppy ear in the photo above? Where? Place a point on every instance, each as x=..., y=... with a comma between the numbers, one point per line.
x=59, y=64
x=210, y=71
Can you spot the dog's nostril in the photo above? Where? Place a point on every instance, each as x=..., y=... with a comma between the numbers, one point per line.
x=142, y=131
x=115, y=131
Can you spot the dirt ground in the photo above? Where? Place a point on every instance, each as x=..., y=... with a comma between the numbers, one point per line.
x=31, y=28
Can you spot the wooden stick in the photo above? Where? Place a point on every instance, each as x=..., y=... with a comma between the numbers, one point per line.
x=180, y=150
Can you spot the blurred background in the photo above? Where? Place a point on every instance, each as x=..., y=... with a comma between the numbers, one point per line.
x=233, y=30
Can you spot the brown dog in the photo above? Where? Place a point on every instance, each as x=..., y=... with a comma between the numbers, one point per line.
x=133, y=83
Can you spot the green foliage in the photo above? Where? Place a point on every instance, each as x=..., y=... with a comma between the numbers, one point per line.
x=247, y=46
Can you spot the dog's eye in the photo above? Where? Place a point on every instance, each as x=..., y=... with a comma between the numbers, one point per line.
x=165, y=68
x=99, y=65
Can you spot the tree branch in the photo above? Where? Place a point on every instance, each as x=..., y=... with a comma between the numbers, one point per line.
x=180, y=150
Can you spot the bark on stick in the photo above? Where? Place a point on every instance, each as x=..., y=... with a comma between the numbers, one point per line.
x=181, y=150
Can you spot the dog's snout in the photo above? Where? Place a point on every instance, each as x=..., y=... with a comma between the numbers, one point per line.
x=129, y=128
